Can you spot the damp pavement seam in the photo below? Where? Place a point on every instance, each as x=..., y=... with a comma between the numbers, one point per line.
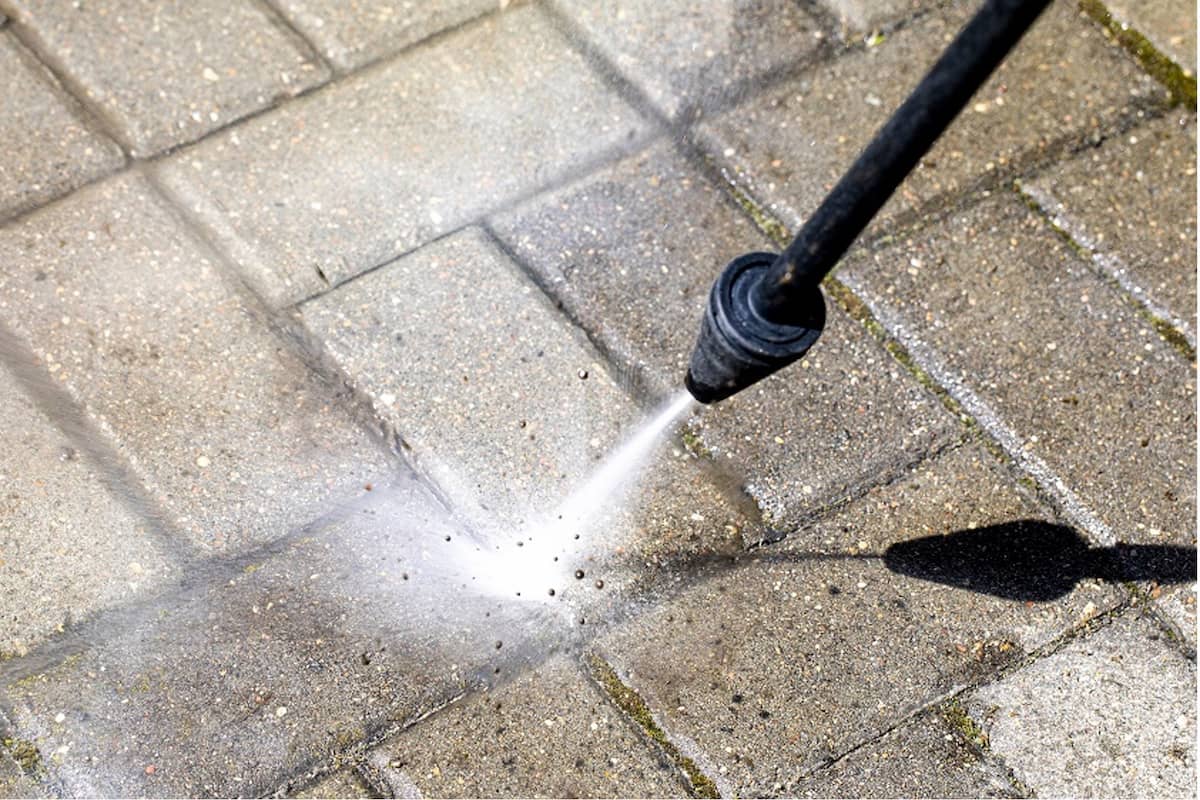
x=1171, y=75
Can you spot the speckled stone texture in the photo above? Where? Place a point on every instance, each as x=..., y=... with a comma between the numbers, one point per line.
x=345, y=783
x=166, y=73
x=812, y=646
x=1064, y=85
x=264, y=668
x=631, y=252
x=1112, y=714
x=859, y=17
x=68, y=548
x=506, y=406
x=924, y=757
x=683, y=56
x=552, y=733
x=326, y=188
x=220, y=419
x=48, y=149
x=356, y=32
x=1132, y=203
x=1010, y=311
x=1169, y=25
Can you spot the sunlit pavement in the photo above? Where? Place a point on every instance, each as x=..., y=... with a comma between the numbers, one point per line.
x=328, y=330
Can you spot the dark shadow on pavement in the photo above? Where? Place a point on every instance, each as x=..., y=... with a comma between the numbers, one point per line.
x=1033, y=560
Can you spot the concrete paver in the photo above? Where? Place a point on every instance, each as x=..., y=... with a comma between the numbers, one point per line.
x=188, y=68
x=228, y=428
x=925, y=757
x=631, y=252
x=1132, y=203
x=683, y=57
x=502, y=402
x=1084, y=382
x=68, y=548
x=48, y=149
x=351, y=34
x=1112, y=714
x=1169, y=25
x=267, y=668
x=550, y=733
x=348, y=179
x=1065, y=83
x=859, y=17
x=814, y=645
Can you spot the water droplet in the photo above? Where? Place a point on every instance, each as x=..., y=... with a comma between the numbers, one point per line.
x=582, y=621
x=599, y=584
x=552, y=593
x=499, y=645
x=447, y=538
x=578, y=574
x=403, y=576
x=582, y=374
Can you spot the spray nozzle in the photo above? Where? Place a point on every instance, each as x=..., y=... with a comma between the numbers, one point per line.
x=737, y=344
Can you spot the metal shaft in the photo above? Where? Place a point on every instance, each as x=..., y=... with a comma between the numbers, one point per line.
x=963, y=67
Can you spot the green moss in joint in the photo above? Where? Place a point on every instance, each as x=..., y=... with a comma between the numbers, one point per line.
x=957, y=718
x=1177, y=81
x=635, y=707
x=763, y=219
x=25, y=753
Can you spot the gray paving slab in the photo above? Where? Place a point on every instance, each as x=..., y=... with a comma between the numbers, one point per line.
x=1169, y=25
x=48, y=148
x=68, y=548
x=1112, y=714
x=631, y=252
x=1132, y=203
x=682, y=56
x=508, y=408
x=1064, y=85
x=928, y=756
x=808, y=648
x=550, y=733
x=345, y=783
x=995, y=302
x=348, y=179
x=859, y=17
x=351, y=34
x=170, y=78
x=225, y=425
x=281, y=663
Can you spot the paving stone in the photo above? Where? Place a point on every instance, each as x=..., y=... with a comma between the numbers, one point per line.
x=1079, y=378
x=809, y=647
x=351, y=34
x=926, y=757
x=67, y=548
x=348, y=179
x=631, y=252
x=48, y=150
x=279, y=664
x=1112, y=714
x=505, y=405
x=1131, y=202
x=860, y=17
x=344, y=783
x=550, y=733
x=188, y=68
x=227, y=428
x=1170, y=25
x=681, y=55
x=1065, y=84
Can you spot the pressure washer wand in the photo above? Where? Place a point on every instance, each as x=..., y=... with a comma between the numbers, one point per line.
x=766, y=311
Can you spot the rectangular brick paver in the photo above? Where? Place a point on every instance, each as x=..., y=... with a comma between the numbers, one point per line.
x=1112, y=714
x=551, y=733
x=348, y=179
x=500, y=400
x=1010, y=311
x=1132, y=203
x=631, y=252
x=228, y=429
x=1065, y=83
x=68, y=548
x=169, y=75
x=682, y=55
x=47, y=147
x=820, y=643
x=354, y=33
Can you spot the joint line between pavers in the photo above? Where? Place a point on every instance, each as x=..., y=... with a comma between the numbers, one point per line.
x=1111, y=269
x=281, y=21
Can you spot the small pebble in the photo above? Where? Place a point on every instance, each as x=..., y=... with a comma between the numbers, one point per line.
x=282, y=710
x=150, y=769
x=202, y=461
